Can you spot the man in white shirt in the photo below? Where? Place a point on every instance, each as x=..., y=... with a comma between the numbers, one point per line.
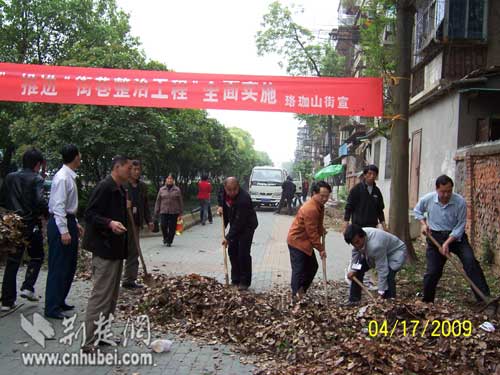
x=63, y=232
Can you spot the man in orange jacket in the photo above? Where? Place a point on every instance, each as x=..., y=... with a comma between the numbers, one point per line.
x=304, y=236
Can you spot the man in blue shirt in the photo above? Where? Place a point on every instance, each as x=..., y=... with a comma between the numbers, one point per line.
x=443, y=215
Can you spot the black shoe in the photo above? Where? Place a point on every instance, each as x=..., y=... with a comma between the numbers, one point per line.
x=169, y=244
x=65, y=307
x=105, y=343
x=211, y=222
x=132, y=285
x=164, y=242
x=59, y=316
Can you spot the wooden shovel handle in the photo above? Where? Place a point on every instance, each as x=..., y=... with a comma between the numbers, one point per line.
x=224, y=252
x=365, y=289
x=136, y=240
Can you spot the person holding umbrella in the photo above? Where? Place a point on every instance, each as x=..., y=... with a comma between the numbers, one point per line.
x=304, y=236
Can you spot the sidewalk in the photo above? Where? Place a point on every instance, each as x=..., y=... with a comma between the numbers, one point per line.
x=186, y=357
x=197, y=250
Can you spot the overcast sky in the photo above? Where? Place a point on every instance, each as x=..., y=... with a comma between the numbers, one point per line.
x=218, y=36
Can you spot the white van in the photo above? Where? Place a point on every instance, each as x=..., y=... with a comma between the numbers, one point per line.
x=265, y=185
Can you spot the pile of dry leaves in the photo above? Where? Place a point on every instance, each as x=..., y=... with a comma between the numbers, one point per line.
x=317, y=338
x=11, y=232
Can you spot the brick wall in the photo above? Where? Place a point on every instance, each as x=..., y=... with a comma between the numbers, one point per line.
x=478, y=169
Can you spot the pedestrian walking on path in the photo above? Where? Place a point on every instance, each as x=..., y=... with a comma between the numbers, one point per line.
x=374, y=248
x=235, y=205
x=169, y=206
x=204, y=191
x=137, y=192
x=443, y=214
x=304, y=236
x=106, y=237
x=63, y=233
x=22, y=193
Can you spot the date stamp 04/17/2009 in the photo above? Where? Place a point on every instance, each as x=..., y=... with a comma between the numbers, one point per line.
x=434, y=328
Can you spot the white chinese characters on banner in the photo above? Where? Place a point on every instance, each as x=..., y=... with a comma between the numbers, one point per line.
x=159, y=94
x=179, y=89
x=248, y=92
x=230, y=90
x=141, y=88
x=121, y=88
x=29, y=85
x=83, y=87
x=207, y=91
x=211, y=93
x=343, y=102
x=48, y=85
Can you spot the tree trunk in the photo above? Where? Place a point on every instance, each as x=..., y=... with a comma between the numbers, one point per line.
x=329, y=132
x=398, y=215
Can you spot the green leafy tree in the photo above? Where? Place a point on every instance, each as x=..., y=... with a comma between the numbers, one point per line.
x=391, y=60
x=72, y=32
x=300, y=52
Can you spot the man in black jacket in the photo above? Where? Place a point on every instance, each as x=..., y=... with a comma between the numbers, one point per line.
x=365, y=204
x=137, y=192
x=22, y=193
x=237, y=209
x=287, y=194
x=106, y=237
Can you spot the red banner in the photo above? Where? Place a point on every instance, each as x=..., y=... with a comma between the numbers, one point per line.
x=144, y=88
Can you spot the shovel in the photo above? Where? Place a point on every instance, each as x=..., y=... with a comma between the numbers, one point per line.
x=487, y=301
x=148, y=279
x=224, y=252
x=364, y=288
x=323, y=262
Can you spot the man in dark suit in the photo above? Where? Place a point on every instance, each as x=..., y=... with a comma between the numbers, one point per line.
x=237, y=209
x=106, y=237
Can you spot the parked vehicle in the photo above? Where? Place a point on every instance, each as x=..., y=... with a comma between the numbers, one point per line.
x=265, y=185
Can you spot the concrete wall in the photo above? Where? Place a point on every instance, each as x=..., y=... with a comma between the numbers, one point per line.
x=439, y=124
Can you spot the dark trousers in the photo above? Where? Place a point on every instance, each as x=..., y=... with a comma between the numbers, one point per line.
x=355, y=289
x=205, y=211
x=436, y=262
x=304, y=268
x=168, y=224
x=62, y=265
x=240, y=258
x=34, y=237
x=209, y=211
x=131, y=267
x=288, y=204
